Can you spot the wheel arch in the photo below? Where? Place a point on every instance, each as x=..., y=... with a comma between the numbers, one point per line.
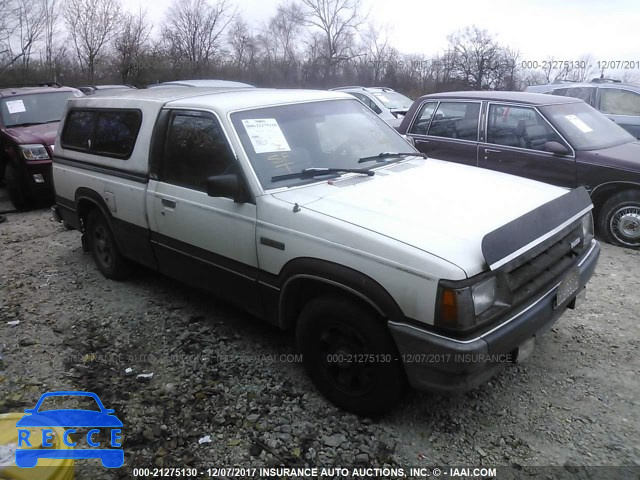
x=307, y=278
x=87, y=200
x=603, y=192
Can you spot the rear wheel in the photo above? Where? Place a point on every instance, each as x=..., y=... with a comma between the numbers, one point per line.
x=16, y=188
x=619, y=219
x=350, y=356
x=104, y=249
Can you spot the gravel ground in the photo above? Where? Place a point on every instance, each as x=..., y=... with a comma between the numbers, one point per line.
x=220, y=373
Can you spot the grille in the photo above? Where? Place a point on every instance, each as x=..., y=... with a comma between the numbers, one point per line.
x=543, y=268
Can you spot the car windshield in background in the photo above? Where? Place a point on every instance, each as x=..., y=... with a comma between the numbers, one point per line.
x=33, y=109
x=584, y=127
x=394, y=100
x=327, y=134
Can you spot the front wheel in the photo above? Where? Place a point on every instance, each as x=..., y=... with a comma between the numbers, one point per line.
x=619, y=219
x=350, y=356
x=103, y=247
x=16, y=188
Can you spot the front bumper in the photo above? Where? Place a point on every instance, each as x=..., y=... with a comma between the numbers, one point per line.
x=434, y=362
x=42, y=188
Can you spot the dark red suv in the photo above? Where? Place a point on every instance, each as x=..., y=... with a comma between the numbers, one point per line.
x=29, y=119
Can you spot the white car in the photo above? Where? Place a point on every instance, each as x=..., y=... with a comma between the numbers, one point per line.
x=307, y=210
x=391, y=106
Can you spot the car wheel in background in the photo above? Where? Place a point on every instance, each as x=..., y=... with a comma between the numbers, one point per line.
x=350, y=356
x=16, y=188
x=103, y=247
x=619, y=219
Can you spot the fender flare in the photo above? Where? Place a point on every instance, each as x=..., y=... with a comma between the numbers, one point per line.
x=337, y=277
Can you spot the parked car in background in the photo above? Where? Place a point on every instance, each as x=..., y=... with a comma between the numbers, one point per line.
x=201, y=83
x=557, y=140
x=307, y=210
x=618, y=101
x=99, y=89
x=390, y=105
x=29, y=119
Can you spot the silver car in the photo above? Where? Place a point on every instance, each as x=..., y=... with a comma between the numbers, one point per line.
x=390, y=105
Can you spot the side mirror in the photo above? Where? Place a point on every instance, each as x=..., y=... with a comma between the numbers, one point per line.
x=226, y=186
x=555, y=148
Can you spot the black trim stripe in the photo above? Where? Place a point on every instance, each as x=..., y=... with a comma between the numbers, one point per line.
x=116, y=172
x=271, y=243
x=197, y=253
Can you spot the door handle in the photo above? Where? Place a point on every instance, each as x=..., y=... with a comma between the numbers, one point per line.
x=167, y=202
x=491, y=150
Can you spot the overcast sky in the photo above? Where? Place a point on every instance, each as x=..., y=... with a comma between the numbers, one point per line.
x=564, y=29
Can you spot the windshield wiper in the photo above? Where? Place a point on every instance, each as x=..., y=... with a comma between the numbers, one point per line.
x=382, y=157
x=312, y=172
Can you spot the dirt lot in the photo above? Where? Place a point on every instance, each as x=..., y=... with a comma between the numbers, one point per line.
x=219, y=373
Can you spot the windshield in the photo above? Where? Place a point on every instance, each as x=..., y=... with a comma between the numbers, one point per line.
x=394, y=100
x=584, y=127
x=325, y=134
x=34, y=108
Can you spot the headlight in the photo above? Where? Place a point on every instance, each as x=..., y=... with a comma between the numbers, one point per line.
x=34, y=152
x=464, y=305
x=587, y=228
x=484, y=295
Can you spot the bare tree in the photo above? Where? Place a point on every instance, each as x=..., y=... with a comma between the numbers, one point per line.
x=378, y=50
x=337, y=22
x=583, y=70
x=193, y=31
x=131, y=44
x=242, y=43
x=477, y=57
x=92, y=24
x=21, y=26
x=51, y=19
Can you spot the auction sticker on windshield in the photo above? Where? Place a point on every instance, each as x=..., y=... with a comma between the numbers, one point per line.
x=583, y=127
x=265, y=135
x=15, y=106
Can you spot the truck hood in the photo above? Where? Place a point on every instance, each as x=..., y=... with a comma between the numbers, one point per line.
x=439, y=207
x=44, y=134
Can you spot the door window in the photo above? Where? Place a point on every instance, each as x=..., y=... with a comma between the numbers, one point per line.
x=456, y=120
x=368, y=102
x=423, y=120
x=520, y=127
x=616, y=101
x=583, y=93
x=195, y=150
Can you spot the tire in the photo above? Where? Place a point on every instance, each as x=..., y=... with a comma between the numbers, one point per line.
x=16, y=188
x=619, y=219
x=104, y=249
x=332, y=330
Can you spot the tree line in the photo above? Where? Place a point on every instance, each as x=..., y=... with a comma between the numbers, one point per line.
x=306, y=43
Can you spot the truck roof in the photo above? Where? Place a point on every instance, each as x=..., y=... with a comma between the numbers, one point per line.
x=12, y=91
x=220, y=99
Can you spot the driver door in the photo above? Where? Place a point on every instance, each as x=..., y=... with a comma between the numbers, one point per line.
x=205, y=241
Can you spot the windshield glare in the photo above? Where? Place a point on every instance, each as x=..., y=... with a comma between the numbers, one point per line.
x=326, y=134
x=584, y=127
x=34, y=108
x=394, y=100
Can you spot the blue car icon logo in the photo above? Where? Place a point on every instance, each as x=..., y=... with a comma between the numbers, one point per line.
x=37, y=422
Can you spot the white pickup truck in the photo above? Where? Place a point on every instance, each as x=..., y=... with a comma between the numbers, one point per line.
x=307, y=210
